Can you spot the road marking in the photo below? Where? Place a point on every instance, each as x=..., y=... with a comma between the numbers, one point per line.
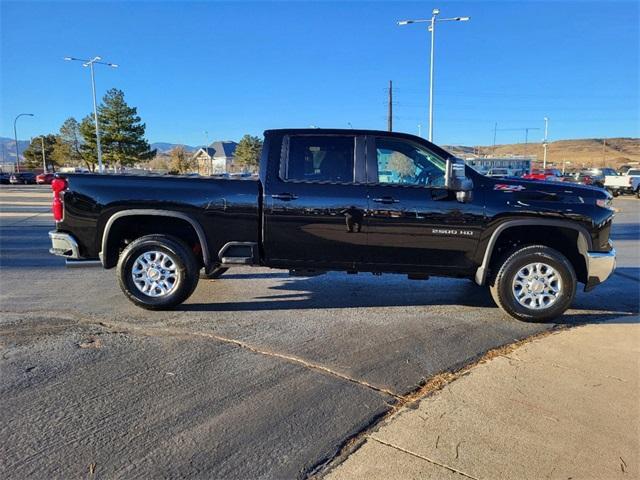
x=11, y=203
x=23, y=214
x=26, y=193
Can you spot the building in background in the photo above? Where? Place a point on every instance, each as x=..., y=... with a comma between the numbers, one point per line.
x=517, y=165
x=217, y=158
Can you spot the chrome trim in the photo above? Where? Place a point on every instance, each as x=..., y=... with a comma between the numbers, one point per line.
x=600, y=266
x=64, y=245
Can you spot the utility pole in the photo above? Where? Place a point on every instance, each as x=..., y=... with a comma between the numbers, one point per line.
x=604, y=152
x=495, y=132
x=390, y=108
x=90, y=63
x=544, y=143
x=419, y=129
x=526, y=134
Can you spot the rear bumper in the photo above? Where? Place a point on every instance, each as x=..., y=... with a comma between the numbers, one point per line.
x=64, y=245
x=600, y=265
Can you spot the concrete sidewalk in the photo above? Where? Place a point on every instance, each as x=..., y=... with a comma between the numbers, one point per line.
x=566, y=406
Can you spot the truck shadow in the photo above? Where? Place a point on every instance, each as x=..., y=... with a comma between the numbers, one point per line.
x=617, y=297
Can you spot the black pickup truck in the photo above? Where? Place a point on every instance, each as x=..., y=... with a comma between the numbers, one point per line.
x=341, y=200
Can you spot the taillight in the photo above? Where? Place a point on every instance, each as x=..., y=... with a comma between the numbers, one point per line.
x=58, y=185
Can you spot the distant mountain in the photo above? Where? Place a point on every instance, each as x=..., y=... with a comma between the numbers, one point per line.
x=164, y=147
x=8, y=149
x=584, y=152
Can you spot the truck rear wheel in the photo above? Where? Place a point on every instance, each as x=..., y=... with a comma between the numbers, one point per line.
x=157, y=272
x=535, y=283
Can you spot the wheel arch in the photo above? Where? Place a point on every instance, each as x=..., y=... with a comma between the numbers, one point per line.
x=109, y=253
x=583, y=243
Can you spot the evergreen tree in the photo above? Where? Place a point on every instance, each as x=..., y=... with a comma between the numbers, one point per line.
x=69, y=146
x=248, y=152
x=121, y=131
x=88, y=145
x=33, y=153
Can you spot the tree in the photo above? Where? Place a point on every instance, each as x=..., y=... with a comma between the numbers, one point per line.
x=248, y=152
x=33, y=153
x=69, y=146
x=88, y=146
x=402, y=166
x=181, y=161
x=122, y=133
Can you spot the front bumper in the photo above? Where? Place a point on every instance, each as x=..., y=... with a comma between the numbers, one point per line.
x=600, y=265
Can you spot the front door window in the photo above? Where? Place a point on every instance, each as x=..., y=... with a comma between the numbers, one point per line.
x=405, y=163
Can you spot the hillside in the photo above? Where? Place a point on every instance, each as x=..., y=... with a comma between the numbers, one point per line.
x=582, y=152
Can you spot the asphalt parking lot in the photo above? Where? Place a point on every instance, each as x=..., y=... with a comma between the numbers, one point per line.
x=258, y=375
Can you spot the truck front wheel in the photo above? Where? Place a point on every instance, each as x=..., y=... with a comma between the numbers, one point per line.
x=535, y=283
x=157, y=272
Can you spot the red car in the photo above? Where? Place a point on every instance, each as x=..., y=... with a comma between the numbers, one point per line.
x=45, y=178
x=547, y=174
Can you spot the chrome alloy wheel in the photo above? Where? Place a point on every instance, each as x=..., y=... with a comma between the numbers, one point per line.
x=537, y=286
x=155, y=273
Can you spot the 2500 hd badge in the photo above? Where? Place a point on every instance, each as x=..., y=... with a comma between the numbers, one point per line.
x=442, y=231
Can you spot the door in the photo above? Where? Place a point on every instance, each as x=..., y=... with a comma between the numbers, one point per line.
x=314, y=206
x=414, y=223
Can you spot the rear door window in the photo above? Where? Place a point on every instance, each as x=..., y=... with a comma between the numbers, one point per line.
x=316, y=158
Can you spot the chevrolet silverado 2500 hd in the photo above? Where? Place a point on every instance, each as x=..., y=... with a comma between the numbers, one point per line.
x=342, y=200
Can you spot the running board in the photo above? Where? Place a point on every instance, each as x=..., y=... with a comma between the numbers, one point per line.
x=239, y=253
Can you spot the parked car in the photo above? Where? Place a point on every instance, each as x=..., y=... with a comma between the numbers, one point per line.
x=551, y=174
x=4, y=178
x=45, y=178
x=597, y=175
x=627, y=183
x=22, y=177
x=342, y=200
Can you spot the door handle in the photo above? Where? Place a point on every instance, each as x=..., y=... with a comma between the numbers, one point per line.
x=284, y=196
x=386, y=200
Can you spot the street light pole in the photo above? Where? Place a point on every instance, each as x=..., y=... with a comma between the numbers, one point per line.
x=433, y=39
x=90, y=63
x=432, y=28
x=95, y=118
x=15, y=136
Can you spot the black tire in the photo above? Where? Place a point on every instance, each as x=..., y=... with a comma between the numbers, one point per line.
x=638, y=192
x=502, y=284
x=179, y=253
x=215, y=273
x=614, y=193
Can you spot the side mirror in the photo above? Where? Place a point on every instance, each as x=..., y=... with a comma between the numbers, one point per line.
x=456, y=179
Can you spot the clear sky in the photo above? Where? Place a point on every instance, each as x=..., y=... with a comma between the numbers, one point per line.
x=231, y=68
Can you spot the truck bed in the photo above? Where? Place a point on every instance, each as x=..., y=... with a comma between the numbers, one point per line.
x=227, y=209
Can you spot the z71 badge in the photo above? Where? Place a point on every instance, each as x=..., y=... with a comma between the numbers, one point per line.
x=508, y=188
